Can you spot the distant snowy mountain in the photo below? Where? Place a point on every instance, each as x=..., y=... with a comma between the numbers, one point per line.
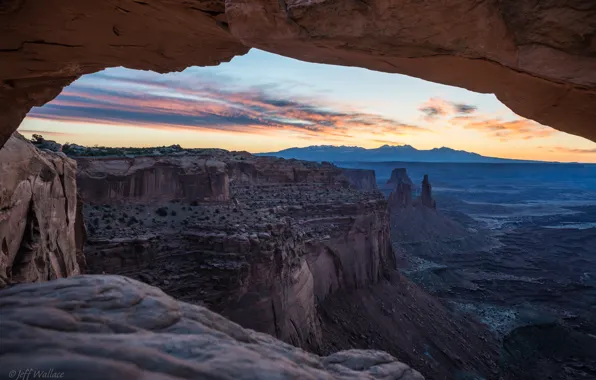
x=403, y=153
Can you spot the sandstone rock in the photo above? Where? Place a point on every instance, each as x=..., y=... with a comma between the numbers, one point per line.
x=426, y=197
x=111, y=327
x=362, y=179
x=537, y=57
x=37, y=214
x=151, y=179
x=399, y=175
x=307, y=233
x=401, y=196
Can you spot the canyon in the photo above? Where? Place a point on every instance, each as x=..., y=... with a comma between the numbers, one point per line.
x=282, y=247
x=259, y=240
x=536, y=57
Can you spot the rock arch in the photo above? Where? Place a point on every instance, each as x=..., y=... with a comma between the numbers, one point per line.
x=538, y=57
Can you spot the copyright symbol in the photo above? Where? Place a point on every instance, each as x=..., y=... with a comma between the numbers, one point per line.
x=12, y=373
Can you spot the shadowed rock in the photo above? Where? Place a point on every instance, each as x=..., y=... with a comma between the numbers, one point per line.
x=38, y=205
x=426, y=196
x=293, y=233
x=112, y=327
x=401, y=196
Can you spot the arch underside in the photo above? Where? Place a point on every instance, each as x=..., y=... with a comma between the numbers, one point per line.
x=537, y=57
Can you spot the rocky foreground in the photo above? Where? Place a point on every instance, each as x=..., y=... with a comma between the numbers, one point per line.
x=38, y=215
x=112, y=327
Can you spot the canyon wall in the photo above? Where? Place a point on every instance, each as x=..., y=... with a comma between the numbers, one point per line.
x=151, y=179
x=292, y=233
x=362, y=179
x=38, y=204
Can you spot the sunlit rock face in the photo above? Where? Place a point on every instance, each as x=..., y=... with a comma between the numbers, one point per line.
x=539, y=58
x=112, y=327
x=37, y=214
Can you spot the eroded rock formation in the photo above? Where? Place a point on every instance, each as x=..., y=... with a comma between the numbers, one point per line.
x=402, y=190
x=362, y=179
x=151, y=179
x=426, y=195
x=292, y=233
x=37, y=214
x=111, y=327
x=539, y=58
x=401, y=195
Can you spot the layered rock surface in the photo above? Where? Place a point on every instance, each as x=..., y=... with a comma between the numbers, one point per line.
x=111, y=327
x=151, y=179
x=38, y=215
x=539, y=58
x=362, y=179
x=292, y=233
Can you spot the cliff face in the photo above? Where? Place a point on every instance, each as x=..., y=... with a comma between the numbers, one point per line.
x=362, y=179
x=151, y=179
x=401, y=196
x=293, y=233
x=37, y=214
x=402, y=186
x=124, y=329
x=426, y=196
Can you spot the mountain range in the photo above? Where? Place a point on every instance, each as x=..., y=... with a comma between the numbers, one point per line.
x=403, y=153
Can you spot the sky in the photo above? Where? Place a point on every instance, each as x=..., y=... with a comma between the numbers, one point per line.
x=261, y=102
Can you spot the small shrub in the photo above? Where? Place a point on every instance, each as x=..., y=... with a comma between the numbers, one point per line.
x=162, y=211
x=173, y=213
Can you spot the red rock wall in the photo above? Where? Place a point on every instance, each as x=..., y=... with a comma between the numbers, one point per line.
x=37, y=214
x=151, y=179
x=295, y=233
x=362, y=179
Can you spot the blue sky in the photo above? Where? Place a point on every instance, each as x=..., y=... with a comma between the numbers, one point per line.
x=263, y=102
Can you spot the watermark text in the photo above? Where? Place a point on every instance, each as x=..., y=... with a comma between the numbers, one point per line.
x=34, y=373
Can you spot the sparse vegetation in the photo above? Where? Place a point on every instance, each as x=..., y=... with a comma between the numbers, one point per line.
x=162, y=211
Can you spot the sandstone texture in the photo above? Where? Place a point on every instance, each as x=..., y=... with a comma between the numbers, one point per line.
x=151, y=179
x=401, y=189
x=362, y=179
x=291, y=234
x=38, y=206
x=537, y=57
x=112, y=327
x=426, y=196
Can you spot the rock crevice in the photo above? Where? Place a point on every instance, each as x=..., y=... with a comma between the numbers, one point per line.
x=37, y=214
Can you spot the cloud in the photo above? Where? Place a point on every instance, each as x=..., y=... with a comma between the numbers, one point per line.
x=44, y=132
x=386, y=142
x=435, y=108
x=462, y=108
x=506, y=130
x=189, y=100
x=561, y=149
